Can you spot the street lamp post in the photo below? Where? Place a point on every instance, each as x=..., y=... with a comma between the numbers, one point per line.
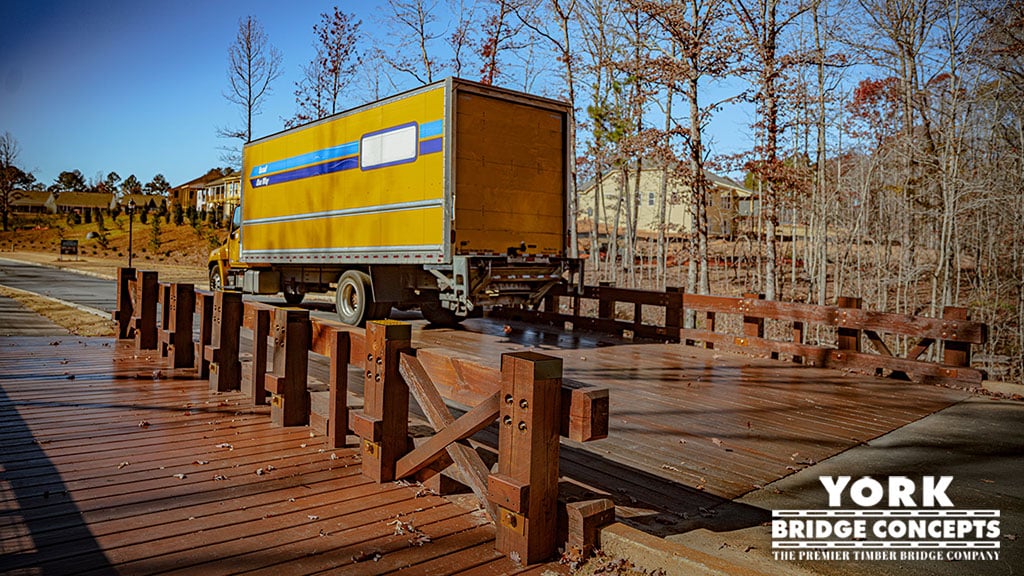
x=131, y=220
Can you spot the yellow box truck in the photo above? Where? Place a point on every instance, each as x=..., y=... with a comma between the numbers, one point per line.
x=450, y=197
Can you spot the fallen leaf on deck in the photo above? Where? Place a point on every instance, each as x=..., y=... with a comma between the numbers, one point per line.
x=122, y=464
x=180, y=476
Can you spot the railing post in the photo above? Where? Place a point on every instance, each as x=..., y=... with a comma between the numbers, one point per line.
x=605, y=308
x=337, y=419
x=204, y=307
x=176, y=335
x=753, y=326
x=674, y=311
x=144, y=322
x=163, y=326
x=849, y=338
x=798, y=338
x=525, y=487
x=289, y=401
x=955, y=353
x=222, y=352
x=384, y=423
x=125, y=310
x=257, y=319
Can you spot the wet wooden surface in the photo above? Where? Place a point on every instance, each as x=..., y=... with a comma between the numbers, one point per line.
x=691, y=429
x=110, y=464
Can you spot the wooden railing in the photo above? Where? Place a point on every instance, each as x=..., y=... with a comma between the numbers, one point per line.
x=854, y=327
x=527, y=396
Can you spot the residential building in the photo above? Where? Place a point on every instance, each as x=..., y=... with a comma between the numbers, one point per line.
x=728, y=202
x=221, y=195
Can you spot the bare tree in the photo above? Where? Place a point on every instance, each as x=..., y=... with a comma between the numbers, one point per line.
x=763, y=25
x=413, y=22
x=700, y=49
x=9, y=175
x=253, y=64
x=330, y=72
x=499, y=34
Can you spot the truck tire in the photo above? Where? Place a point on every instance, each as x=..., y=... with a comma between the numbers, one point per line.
x=215, y=283
x=292, y=296
x=438, y=315
x=354, y=299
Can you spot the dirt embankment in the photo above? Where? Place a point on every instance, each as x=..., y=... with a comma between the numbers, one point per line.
x=180, y=255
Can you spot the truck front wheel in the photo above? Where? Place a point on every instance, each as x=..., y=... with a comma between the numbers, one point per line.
x=354, y=299
x=215, y=283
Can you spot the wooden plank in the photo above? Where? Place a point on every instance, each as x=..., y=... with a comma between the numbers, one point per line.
x=481, y=416
x=843, y=359
x=421, y=386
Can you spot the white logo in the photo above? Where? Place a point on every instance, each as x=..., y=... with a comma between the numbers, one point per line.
x=920, y=523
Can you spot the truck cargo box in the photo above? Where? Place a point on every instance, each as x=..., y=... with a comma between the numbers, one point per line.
x=450, y=169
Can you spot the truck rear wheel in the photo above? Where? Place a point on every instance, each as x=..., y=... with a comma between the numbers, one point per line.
x=292, y=296
x=354, y=299
x=438, y=315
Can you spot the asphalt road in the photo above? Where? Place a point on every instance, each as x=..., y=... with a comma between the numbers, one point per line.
x=78, y=288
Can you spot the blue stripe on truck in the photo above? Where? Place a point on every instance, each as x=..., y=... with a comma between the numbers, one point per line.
x=334, y=159
x=316, y=157
x=307, y=172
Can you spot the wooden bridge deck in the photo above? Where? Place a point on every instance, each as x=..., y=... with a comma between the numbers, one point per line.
x=89, y=465
x=109, y=469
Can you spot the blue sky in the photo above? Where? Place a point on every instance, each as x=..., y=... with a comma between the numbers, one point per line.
x=136, y=87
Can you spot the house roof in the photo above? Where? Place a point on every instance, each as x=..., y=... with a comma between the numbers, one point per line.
x=142, y=199
x=717, y=180
x=30, y=198
x=83, y=200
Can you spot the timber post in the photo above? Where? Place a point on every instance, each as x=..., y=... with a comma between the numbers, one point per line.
x=204, y=307
x=179, y=302
x=525, y=488
x=144, y=320
x=222, y=352
x=125, y=310
x=164, y=291
x=337, y=419
x=383, y=425
x=954, y=353
x=753, y=326
x=289, y=400
x=256, y=317
x=849, y=338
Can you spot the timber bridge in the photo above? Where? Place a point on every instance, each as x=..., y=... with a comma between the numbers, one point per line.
x=217, y=435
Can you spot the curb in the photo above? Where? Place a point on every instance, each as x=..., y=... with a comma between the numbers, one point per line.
x=651, y=553
x=1005, y=388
